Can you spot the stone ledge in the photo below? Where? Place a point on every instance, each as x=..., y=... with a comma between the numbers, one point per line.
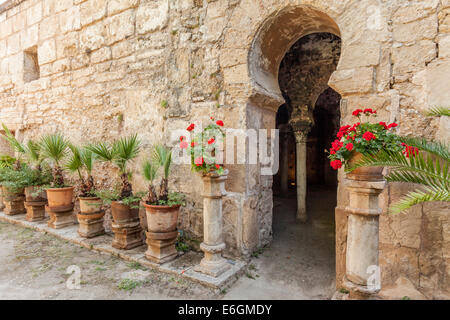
x=182, y=266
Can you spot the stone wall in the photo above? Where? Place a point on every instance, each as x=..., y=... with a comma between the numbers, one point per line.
x=112, y=67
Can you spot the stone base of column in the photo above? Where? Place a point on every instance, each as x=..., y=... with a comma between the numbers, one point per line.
x=15, y=206
x=91, y=225
x=161, y=246
x=360, y=292
x=213, y=263
x=127, y=236
x=301, y=216
x=35, y=210
x=59, y=219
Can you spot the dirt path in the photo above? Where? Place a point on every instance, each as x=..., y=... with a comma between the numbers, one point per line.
x=33, y=266
x=299, y=264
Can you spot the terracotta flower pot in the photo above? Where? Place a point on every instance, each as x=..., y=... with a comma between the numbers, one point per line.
x=123, y=214
x=90, y=205
x=29, y=197
x=60, y=198
x=9, y=195
x=364, y=173
x=162, y=219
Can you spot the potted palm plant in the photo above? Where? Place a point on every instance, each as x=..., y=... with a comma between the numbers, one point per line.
x=54, y=147
x=124, y=204
x=162, y=209
x=5, y=163
x=91, y=215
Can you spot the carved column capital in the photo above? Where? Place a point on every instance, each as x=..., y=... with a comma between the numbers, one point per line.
x=301, y=136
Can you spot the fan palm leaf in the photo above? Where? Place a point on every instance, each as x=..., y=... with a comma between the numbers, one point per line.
x=415, y=197
x=150, y=170
x=13, y=142
x=439, y=111
x=162, y=156
x=54, y=147
x=74, y=163
x=87, y=158
x=124, y=150
x=102, y=150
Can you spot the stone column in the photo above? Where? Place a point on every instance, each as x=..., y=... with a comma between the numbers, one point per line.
x=300, y=144
x=362, y=268
x=213, y=263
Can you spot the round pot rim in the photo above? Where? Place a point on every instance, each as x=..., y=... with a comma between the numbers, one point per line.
x=89, y=198
x=59, y=189
x=153, y=206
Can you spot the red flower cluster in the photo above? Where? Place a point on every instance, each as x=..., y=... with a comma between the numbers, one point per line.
x=410, y=150
x=183, y=143
x=367, y=111
x=368, y=136
x=191, y=127
x=336, y=164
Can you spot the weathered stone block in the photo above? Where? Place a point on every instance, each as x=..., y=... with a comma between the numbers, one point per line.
x=152, y=16
x=47, y=51
x=70, y=19
x=34, y=14
x=359, y=80
x=116, y=6
x=120, y=26
x=417, y=30
x=360, y=55
x=92, y=10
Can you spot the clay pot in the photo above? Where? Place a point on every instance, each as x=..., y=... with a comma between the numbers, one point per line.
x=90, y=205
x=2, y=205
x=364, y=173
x=9, y=195
x=29, y=191
x=123, y=214
x=60, y=199
x=162, y=218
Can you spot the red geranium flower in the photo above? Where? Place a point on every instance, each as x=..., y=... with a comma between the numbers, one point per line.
x=340, y=134
x=349, y=146
x=211, y=141
x=357, y=112
x=182, y=138
x=217, y=166
x=219, y=123
x=198, y=161
x=336, y=144
x=332, y=151
x=191, y=127
x=383, y=124
x=410, y=151
x=336, y=164
x=392, y=125
x=193, y=144
x=183, y=144
x=368, y=136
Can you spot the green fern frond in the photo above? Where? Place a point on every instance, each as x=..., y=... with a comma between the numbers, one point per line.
x=416, y=197
x=439, y=111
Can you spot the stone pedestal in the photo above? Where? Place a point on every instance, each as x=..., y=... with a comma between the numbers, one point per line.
x=35, y=210
x=2, y=205
x=60, y=219
x=213, y=263
x=300, y=140
x=15, y=206
x=161, y=246
x=127, y=235
x=362, y=269
x=91, y=225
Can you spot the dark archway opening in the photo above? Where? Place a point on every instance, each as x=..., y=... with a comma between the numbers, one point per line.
x=314, y=107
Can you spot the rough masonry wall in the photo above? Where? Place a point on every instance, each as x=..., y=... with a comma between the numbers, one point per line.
x=115, y=67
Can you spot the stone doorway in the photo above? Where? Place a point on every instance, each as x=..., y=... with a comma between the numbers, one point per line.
x=305, y=187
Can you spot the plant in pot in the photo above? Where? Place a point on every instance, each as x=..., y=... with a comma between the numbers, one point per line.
x=363, y=139
x=5, y=163
x=162, y=208
x=124, y=204
x=55, y=148
x=91, y=214
x=38, y=176
x=13, y=184
x=203, y=150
